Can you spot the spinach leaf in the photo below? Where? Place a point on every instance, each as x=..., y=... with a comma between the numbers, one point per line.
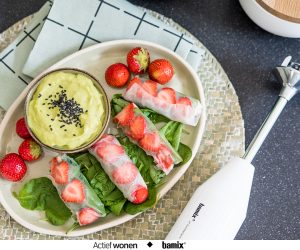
x=105, y=189
x=185, y=152
x=117, y=104
x=172, y=131
x=144, y=162
x=131, y=208
x=154, y=116
x=40, y=194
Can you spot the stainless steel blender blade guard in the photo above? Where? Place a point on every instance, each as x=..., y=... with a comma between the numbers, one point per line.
x=289, y=75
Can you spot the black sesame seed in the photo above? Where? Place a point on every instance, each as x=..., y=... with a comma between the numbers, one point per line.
x=49, y=84
x=43, y=103
x=39, y=96
x=51, y=129
x=74, y=135
x=65, y=129
x=52, y=119
x=62, y=126
x=48, y=115
x=61, y=86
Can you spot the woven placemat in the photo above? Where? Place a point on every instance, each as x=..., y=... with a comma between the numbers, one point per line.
x=223, y=139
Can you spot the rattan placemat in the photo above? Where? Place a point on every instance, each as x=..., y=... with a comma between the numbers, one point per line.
x=223, y=139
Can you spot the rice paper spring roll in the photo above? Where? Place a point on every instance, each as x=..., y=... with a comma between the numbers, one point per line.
x=141, y=131
x=120, y=168
x=164, y=100
x=75, y=190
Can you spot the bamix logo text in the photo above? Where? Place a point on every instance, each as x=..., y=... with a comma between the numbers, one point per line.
x=173, y=245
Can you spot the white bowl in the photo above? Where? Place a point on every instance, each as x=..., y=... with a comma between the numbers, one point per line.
x=269, y=22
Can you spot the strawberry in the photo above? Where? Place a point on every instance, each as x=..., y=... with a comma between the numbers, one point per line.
x=138, y=60
x=12, y=167
x=137, y=127
x=87, y=215
x=184, y=100
x=164, y=157
x=21, y=129
x=108, y=138
x=125, y=116
x=150, y=142
x=29, y=150
x=105, y=139
x=117, y=75
x=161, y=71
x=73, y=192
x=110, y=152
x=59, y=172
x=151, y=87
x=133, y=81
x=125, y=174
x=168, y=95
x=140, y=194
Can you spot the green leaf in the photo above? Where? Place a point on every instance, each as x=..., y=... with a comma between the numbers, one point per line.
x=131, y=208
x=156, y=174
x=40, y=194
x=144, y=162
x=172, y=131
x=118, y=206
x=106, y=190
x=154, y=116
x=185, y=152
x=117, y=104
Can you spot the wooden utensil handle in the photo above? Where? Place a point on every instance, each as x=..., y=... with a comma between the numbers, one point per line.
x=284, y=9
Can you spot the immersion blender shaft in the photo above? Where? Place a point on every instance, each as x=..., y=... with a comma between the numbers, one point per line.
x=264, y=129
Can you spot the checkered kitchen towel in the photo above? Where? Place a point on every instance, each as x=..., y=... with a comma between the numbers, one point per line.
x=75, y=24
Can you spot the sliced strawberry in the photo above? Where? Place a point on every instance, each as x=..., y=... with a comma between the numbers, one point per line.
x=140, y=194
x=150, y=142
x=73, y=192
x=125, y=116
x=53, y=162
x=108, y=138
x=168, y=95
x=151, y=87
x=105, y=139
x=59, y=172
x=164, y=157
x=184, y=100
x=137, y=127
x=110, y=152
x=135, y=80
x=125, y=174
x=87, y=215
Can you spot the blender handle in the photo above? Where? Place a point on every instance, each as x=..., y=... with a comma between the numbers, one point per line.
x=264, y=129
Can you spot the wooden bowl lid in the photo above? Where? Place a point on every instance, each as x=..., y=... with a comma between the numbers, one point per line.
x=285, y=9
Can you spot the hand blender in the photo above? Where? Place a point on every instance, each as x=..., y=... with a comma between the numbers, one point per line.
x=218, y=207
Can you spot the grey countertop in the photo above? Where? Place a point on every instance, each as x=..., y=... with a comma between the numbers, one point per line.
x=247, y=54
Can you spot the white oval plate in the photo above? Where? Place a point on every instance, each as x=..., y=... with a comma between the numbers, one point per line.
x=95, y=60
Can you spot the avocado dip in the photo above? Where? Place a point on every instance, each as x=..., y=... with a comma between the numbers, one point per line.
x=66, y=110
